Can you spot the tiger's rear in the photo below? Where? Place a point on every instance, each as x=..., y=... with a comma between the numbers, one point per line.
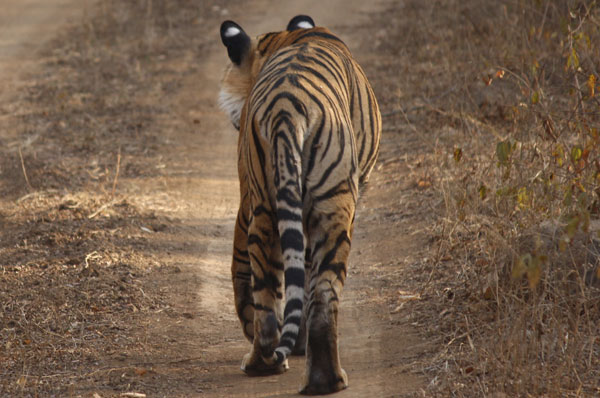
x=309, y=131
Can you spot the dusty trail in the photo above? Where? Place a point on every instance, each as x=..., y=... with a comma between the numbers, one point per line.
x=197, y=187
x=25, y=26
x=371, y=355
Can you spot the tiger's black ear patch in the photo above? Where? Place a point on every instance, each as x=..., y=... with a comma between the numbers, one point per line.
x=301, y=22
x=236, y=41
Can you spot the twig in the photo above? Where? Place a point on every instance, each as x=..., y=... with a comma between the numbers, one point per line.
x=117, y=172
x=92, y=255
x=38, y=193
x=412, y=126
x=543, y=21
x=101, y=209
x=465, y=334
x=24, y=171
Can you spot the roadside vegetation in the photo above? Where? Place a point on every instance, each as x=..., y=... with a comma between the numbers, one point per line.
x=507, y=104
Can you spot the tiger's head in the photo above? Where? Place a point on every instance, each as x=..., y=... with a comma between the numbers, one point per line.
x=247, y=58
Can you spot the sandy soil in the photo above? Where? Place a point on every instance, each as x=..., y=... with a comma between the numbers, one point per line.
x=170, y=206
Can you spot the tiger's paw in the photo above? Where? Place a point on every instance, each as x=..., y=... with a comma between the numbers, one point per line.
x=255, y=366
x=319, y=383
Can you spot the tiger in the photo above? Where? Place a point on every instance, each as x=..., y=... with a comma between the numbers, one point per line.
x=309, y=132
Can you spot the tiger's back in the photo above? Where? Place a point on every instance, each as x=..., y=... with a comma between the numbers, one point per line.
x=309, y=131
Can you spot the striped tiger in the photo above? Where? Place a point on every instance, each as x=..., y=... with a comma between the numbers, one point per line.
x=309, y=130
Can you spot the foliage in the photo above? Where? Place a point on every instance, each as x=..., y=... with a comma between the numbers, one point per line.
x=520, y=178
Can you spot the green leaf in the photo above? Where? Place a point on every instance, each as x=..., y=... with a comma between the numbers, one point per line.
x=591, y=83
x=571, y=227
x=531, y=266
x=535, y=97
x=523, y=198
x=568, y=199
x=521, y=266
x=457, y=154
x=576, y=153
x=503, y=149
x=573, y=60
x=562, y=245
x=534, y=273
x=559, y=153
x=585, y=224
x=482, y=192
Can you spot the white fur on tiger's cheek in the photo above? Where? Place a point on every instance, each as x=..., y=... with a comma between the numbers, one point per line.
x=232, y=105
x=232, y=31
x=305, y=25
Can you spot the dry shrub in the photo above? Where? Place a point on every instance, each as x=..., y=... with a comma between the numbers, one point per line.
x=520, y=178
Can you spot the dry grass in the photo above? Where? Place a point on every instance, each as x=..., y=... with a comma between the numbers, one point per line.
x=72, y=290
x=80, y=264
x=510, y=139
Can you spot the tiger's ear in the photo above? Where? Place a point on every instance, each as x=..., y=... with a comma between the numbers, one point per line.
x=301, y=22
x=236, y=41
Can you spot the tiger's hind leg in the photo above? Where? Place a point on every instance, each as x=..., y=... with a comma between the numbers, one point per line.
x=330, y=231
x=300, y=347
x=241, y=274
x=267, y=291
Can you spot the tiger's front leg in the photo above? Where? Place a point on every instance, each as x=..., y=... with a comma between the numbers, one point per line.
x=267, y=291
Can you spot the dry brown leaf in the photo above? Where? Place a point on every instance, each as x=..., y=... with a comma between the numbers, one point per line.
x=140, y=371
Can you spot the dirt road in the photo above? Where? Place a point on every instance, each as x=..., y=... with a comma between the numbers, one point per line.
x=25, y=26
x=185, y=200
